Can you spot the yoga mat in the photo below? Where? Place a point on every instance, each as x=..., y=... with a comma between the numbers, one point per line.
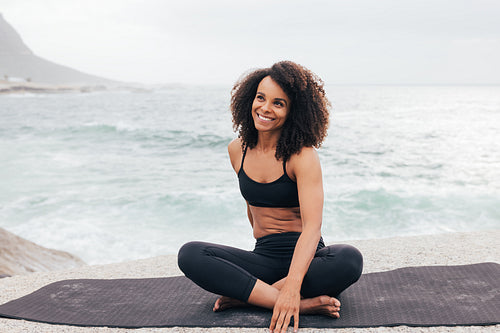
x=413, y=296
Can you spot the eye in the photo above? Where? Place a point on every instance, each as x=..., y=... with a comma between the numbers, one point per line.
x=259, y=98
x=279, y=104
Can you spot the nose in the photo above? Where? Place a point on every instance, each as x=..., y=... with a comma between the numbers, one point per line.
x=266, y=106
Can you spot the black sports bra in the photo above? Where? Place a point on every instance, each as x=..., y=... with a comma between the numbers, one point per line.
x=280, y=193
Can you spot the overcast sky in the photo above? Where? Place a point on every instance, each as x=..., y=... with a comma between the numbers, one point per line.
x=215, y=41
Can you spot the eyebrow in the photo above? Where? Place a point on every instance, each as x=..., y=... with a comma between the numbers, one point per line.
x=279, y=99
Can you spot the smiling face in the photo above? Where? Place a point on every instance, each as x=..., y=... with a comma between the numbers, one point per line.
x=270, y=106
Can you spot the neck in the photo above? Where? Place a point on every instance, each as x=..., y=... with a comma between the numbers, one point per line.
x=267, y=141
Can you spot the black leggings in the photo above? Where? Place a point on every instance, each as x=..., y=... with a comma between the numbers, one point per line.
x=232, y=272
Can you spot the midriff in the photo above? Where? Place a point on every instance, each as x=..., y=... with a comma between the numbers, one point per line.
x=271, y=220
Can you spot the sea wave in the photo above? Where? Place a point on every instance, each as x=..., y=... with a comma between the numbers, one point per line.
x=126, y=134
x=383, y=213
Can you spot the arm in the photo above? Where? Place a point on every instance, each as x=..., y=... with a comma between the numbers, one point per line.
x=235, y=155
x=307, y=169
x=310, y=187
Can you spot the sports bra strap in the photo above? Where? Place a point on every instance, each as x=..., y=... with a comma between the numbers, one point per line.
x=243, y=157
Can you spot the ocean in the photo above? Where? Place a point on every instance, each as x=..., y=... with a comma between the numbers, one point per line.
x=116, y=175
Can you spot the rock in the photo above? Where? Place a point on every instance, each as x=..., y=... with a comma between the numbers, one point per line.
x=21, y=256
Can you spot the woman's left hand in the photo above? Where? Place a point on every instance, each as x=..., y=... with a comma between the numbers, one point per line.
x=286, y=307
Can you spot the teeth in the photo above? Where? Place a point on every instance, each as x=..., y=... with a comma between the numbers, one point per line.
x=264, y=118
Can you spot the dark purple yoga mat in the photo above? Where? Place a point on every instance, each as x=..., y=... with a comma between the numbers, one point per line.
x=413, y=296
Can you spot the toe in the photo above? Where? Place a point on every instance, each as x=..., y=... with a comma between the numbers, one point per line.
x=217, y=305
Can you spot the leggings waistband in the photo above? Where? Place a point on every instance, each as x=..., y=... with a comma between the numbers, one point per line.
x=280, y=244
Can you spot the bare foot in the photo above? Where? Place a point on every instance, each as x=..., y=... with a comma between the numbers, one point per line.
x=224, y=303
x=324, y=305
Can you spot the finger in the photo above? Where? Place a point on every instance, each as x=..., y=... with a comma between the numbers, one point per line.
x=273, y=321
x=286, y=322
x=296, y=322
x=279, y=322
x=276, y=321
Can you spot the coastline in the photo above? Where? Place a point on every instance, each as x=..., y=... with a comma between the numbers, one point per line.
x=379, y=255
x=16, y=88
x=36, y=87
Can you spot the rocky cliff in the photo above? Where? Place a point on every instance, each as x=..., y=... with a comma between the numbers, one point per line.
x=18, y=61
x=20, y=256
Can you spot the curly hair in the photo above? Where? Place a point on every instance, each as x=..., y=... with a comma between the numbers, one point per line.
x=307, y=121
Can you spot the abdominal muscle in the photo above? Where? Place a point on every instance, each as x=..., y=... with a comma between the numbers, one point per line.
x=270, y=220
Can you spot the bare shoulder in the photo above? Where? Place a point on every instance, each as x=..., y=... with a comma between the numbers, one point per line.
x=306, y=157
x=234, y=146
x=235, y=153
x=305, y=162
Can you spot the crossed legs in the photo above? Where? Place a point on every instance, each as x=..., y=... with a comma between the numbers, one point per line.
x=246, y=277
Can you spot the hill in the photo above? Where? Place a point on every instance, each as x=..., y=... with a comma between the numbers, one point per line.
x=19, y=62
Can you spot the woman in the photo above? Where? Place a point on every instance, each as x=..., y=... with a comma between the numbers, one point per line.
x=281, y=114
